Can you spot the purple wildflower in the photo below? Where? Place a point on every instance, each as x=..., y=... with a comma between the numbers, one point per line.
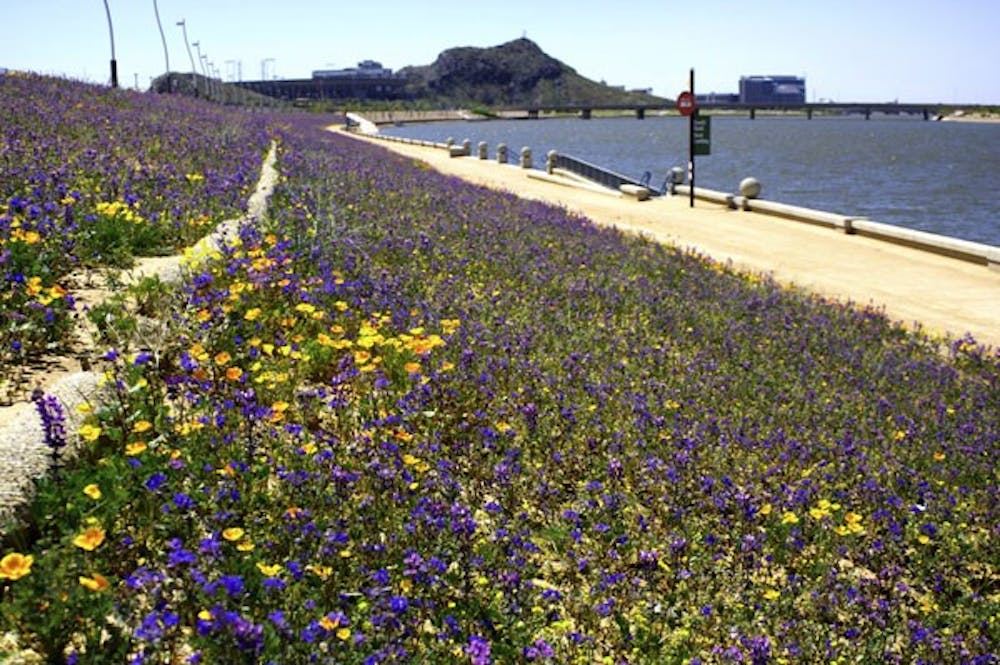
x=53, y=423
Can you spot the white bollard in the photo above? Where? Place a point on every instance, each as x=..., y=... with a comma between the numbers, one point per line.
x=550, y=161
x=750, y=187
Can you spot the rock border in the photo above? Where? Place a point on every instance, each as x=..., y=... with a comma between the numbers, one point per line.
x=22, y=439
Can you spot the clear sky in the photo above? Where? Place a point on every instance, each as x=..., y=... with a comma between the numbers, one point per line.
x=851, y=50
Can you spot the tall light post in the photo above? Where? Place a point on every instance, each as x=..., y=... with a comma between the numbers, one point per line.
x=187, y=45
x=201, y=58
x=114, y=62
x=263, y=68
x=163, y=38
x=206, y=73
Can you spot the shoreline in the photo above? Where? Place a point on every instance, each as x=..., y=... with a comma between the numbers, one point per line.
x=920, y=290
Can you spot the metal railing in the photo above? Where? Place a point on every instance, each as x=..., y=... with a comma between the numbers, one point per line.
x=597, y=174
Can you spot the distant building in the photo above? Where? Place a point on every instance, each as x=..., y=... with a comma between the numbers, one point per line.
x=718, y=98
x=772, y=90
x=369, y=80
x=366, y=69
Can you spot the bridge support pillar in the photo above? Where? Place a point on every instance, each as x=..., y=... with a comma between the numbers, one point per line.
x=585, y=114
x=868, y=114
x=927, y=114
x=640, y=114
x=809, y=113
x=753, y=114
x=533, y=114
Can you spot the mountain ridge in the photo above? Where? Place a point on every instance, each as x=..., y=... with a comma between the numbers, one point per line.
x=516, y=73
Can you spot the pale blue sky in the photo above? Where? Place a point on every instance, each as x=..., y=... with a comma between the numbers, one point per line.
x=852, y=50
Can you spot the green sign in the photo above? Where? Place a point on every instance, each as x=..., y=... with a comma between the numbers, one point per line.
x=702, y=135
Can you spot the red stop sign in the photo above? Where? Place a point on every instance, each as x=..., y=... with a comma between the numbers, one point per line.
x=685, y=103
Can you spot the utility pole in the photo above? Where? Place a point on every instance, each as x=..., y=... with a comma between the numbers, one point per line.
x=187, y=45
x=163, y=38
x=114, y=61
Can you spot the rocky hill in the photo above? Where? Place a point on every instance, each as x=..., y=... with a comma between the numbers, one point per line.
x=517, y=73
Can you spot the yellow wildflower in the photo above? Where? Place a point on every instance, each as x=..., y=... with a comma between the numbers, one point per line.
x=321, y=572
x=142, y=426
x=135, y=448
x=14, y=566
x=233, y=533
x=788, y=517
x=89, y=432
x=90, y=539
x=95, y=582
x=93, y=491
x=269, y=570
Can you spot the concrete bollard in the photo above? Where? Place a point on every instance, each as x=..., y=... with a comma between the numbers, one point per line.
x=502, y=153
x=448, y=142
x=674, y=177
x=525, y=157
x=750, y=187
x=482, y=150
x=550, y=161
x=467, y=147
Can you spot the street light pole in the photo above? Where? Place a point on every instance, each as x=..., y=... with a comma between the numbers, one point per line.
x=114, y=62
x=187, y=45
x=203, y=57
x=263, y=68
x=163, y=38
x=201, y=61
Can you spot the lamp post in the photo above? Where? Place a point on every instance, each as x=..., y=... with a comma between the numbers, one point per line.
x=114, y=62
x=163, y=38
x=187, y=45
x=263, y=68
x=201, y=58
x=206, y=73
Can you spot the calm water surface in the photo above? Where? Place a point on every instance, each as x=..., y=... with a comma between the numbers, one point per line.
x=940, y=177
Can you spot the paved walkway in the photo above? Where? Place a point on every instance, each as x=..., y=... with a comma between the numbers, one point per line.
x=918, y=288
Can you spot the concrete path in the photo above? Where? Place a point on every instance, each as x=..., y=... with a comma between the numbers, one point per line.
x=918, y=288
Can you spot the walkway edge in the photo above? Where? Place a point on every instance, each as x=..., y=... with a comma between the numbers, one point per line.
x=22, y=439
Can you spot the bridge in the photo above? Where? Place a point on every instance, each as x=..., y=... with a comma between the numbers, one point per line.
x=324, y=88
x=866, y=109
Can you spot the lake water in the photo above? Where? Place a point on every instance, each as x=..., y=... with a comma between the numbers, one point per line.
x=940, y=177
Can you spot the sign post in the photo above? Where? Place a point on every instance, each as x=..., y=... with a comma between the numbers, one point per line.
x=703, y=135
x=687, y=106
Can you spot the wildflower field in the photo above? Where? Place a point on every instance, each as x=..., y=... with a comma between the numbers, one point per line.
x=407, y=419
